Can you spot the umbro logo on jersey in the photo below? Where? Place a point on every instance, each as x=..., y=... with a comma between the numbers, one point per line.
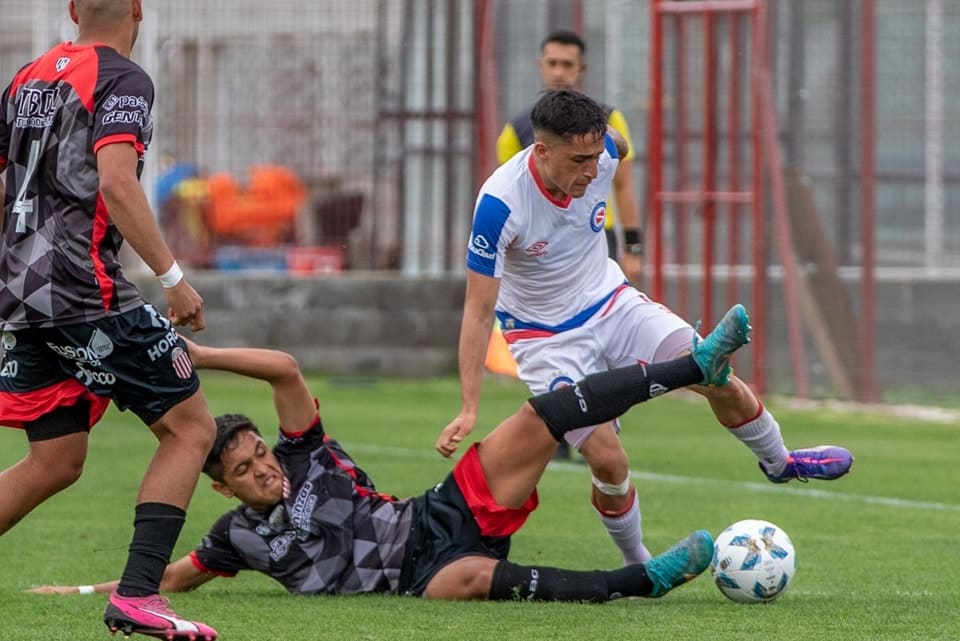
x=539, y=248
x=62, y=63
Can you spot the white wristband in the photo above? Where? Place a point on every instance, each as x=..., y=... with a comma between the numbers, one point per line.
x=171, y=277
x=86, y=589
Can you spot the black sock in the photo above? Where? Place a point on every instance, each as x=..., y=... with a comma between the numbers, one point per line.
x=604, y=396
x=156, y=527
x=512, y=582
x=630, y=580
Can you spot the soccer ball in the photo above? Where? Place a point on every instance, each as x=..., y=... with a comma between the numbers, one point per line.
x=753, y=561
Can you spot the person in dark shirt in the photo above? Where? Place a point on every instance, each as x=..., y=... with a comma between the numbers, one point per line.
x=74, y=126
x=315, y=522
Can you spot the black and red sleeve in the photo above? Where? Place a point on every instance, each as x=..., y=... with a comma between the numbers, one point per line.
x=215, y=554
x=123, y=100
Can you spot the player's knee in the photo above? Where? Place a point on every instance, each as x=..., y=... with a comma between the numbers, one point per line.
x=196, y=431
x=610, y=466
x=58, y=471
x=477, y=586
x=202, y=432
x=606, y=457
x=68, y=474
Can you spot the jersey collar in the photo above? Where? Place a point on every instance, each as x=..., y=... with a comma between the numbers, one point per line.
x=564, y=203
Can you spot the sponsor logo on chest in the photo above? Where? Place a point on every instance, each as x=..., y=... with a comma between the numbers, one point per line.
x=35, y=108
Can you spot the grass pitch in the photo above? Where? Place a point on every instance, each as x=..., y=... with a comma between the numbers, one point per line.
x=877, y=551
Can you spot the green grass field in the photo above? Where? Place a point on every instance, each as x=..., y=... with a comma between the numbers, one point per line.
x=877, y=551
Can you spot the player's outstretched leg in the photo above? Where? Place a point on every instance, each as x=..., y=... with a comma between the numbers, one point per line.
x=152, y=616
x=713, y=352
x=826, y=462
x=681, y=563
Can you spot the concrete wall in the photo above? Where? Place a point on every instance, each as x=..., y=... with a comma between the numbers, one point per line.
x=385, y=324
x=358, y=325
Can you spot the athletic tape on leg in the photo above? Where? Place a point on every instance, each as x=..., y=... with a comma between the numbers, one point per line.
x=612, y=489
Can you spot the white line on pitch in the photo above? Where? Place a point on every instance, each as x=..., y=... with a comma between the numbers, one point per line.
x=674, y=479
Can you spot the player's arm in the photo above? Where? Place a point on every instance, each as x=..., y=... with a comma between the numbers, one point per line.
x=130, y=212
x=631, y=254
x=128, y=206
x=180, y=576
x=481, y=297
x=294, y=404
x=628, y=210
x=618, y=140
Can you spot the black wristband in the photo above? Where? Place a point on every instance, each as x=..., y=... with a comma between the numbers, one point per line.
x=633, y=241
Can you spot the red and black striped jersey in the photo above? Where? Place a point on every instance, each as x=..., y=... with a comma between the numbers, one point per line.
x=58, y=246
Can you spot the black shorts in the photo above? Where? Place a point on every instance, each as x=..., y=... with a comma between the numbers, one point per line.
x=443, y=530
x=136, y=359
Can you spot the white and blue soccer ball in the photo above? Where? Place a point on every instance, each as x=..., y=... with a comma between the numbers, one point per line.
x=753, y=561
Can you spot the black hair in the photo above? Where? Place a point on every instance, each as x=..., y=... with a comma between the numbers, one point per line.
x=567, y=113
x=564, y=37
x=229, y=426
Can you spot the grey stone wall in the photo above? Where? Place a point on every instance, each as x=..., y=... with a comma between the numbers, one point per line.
x=357, y=325
x=387, y=324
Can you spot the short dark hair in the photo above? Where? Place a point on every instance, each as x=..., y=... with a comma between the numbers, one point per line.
x=567, y=113
x=564, y=37
x=229, y=426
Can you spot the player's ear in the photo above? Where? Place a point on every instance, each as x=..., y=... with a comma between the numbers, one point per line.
x=223, y=489
x=72, y=10
x=540, y=149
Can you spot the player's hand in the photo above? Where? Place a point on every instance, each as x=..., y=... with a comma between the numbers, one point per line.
x=55, y=589
x=185, y=306
x=632, y=266
x=458, y=429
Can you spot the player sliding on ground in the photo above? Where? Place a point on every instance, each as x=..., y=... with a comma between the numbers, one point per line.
x=314, y=521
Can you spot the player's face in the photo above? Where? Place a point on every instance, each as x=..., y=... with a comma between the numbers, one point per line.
x=561, y=65
x=568, y=167
x=251, y=472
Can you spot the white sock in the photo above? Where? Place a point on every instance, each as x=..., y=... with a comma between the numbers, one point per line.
x=762, y=436
x=626, y=532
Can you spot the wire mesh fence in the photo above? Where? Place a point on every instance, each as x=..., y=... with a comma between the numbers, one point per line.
x=331, y=136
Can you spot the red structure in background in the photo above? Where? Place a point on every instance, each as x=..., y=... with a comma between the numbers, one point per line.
x=742, y=197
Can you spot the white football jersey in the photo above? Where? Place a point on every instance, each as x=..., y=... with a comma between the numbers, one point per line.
x=550, y=256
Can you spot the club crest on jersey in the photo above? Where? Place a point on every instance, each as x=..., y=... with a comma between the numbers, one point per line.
x=598, y=215
x=61, y=63
x=558, y=382
x=182, y=365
